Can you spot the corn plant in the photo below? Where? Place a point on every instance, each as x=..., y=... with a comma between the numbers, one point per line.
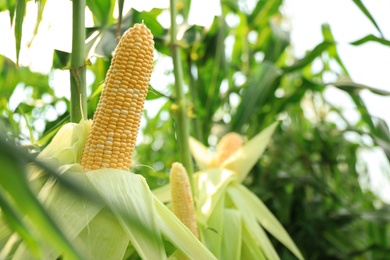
x=76, y=184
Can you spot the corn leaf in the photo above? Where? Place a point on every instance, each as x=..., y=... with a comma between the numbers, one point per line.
x=130, y=199
x=103, y=238
x=179, y=235
x=201, y=154
x=211, y=233
x=250, y=249
x=267, y=220
x=67, y=145
x=163, y=193
x=245, y=158
x=250, y=222
x=14, y=183
x=210, y=189
x=19, y=17
x=232, y=234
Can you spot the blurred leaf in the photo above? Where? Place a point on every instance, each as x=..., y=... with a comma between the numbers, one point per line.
x=19, y=17
x=262, y=13
x=279, y=40
x=154, y=94
x=317, y=51
x=363, y=8
x=41, y=7
x=61, y=59
x=268, y=220
x=371, y=38
x=190, y=36
x=14, y=183
x=350, y=86
x=260, y=87
x=232, y=236
x=51, y=128
x=15, y=221
x=101, y=10
x=328, y=36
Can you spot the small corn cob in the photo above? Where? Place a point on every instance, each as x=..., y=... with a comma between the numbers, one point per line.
x=182, y=202
x=228, y=144
x=111, y=141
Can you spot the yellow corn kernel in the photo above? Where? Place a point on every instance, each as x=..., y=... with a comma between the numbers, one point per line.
x=111, y=141
x=228, y=144
x=182, y=202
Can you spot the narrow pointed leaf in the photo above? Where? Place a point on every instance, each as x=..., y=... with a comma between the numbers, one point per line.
x=267, y=220
x=203, y=157
x=363, y=8
x=243, y=160
x=19, y=17
x=371, y=38
x=250, y=222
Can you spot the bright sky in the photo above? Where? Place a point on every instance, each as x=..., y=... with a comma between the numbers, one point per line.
x=368, y=64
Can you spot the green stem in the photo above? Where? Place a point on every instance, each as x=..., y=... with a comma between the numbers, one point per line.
x=181, y=113
x=78, y=93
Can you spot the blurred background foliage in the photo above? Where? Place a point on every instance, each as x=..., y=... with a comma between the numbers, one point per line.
x=240, y=75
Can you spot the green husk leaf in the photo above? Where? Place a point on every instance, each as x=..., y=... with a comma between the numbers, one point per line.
x=211, y=188
x=70, y=212
x=201, y=154
x=250, y=249
x=132, y=202
x=211, y=233
x=179, y=235
x=232, y=235
x=267, y=220
x=103, y=238
x=245, y=158
x=163, y=193
x=250, y=222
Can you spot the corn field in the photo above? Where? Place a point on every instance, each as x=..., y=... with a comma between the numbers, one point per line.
x=184, y=141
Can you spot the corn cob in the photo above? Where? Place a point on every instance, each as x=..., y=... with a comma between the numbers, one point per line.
x=182, y=202
x=111, y=141
x=228, y=144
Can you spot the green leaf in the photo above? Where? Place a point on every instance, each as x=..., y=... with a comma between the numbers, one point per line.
x=61, y=59
x=154, y=94
x=363, y=8
x=14, y=183
x=267, y=219
x=250, y=223
x=211, y=187
x=163, y=193
x=371, y=38
x=179, y=235
x=71, y=212
x=232, y=235
x=211, y=232
x=350, y=86
x=202, y=155
x=129, y=197
x=317, y=51
x=19, y=17
x=243, y=160
x=260, y=88
x=103, y=238
x=15, y=221
x=100, y=10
